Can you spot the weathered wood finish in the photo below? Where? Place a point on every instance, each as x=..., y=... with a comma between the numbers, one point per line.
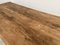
x=20, y=25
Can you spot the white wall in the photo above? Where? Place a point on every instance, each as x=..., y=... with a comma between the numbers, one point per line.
x=50, y=6
x=2, y=1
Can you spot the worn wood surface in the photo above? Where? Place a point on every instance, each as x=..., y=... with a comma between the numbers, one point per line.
x=20, y=25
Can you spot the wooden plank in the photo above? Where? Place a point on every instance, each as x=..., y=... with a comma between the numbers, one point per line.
x=20, y=25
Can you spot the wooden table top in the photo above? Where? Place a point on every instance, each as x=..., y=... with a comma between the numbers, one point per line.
x=20, y=25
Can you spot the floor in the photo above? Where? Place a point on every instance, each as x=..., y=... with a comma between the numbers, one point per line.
x=20, y=25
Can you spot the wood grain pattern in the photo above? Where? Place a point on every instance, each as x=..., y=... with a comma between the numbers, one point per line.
x=20, y=25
